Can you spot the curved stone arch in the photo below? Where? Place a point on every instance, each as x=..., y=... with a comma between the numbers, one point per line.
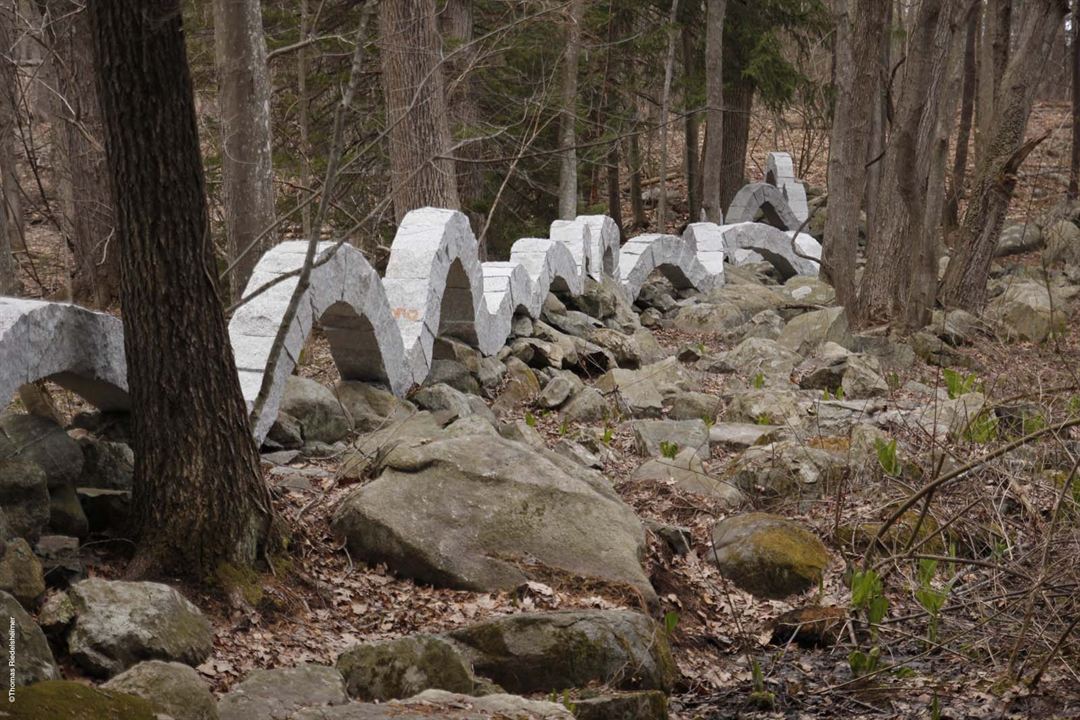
x=772, y=244
x=577, y=238
x=433, y=282
x=604, y=251
x=766, y=198
x=674, y=257
x=76, y=348
x=549, y=265
x=345, y=295
x=708, y=240
x=780, y=171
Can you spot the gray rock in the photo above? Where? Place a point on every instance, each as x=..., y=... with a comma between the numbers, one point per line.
x=172, y=688
x=586, y=406
x=739, y=436
x=709, y=318
x=786, y=470
x=764, y=407
x=651, y=437
x=285, y=434
x=454, y=374
x=21, y=573
x=749, y=295
x=645, y=705
x=809, y=290
x=692, y=406
x=66, y=515
x=956, y=327
x=863, y=378
x=373, y=408
x=578, y=453
x=395, y=669
x=35, y=661
x=320, y=414
x=687, y=472
x=60, y=561
x=446, y=705
x=556, y=392
x=115, y=624
x=935, y=351
x=457, y=512
x=772, y=360
x=39, y=440
x=1019, y=238
x=624, y=347
x=281, y=694
x=24, y=498
x=805, y=333
x=106, y=464
x=443, y=399
x=950, y=418
x=767, y=555
x=1026, y=311
x=766, y=324
x=546, y=652
x=1062, y=244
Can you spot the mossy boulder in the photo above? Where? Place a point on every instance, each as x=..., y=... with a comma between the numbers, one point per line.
x=402, y=668
x=41, y=441
x=34, y=659
x=321, y=415
x=547, y=652
x=807, y=332
x=767, y=555
x=24, y=498
x=62, y=699
x=172, y=688
x=644, y=705
x=111, y=625
x=279, y=694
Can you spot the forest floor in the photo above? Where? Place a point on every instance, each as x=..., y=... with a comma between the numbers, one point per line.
x=324, y=602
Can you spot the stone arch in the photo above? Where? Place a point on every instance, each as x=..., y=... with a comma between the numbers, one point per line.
x=767, y=199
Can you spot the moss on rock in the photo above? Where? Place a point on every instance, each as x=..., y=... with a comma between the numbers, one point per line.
x=55, y=699
x=767, y=555
x=402, y=668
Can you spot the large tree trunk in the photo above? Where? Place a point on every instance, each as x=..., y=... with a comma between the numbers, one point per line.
x=711, y=204
x=860, y=32
x=964, y=285
x=421, y=165
x=903, y=222
x=692, y=123
x=967, y=114
x=88, y=213
x=665, y=111
x=879, y=125
x=740, y=103
x=993, y=56
x=199, y=500
x=568, y=194
x=456, y=23
x=637, y=203
x=246, y=151
x=1074, y=164
x=9, y=281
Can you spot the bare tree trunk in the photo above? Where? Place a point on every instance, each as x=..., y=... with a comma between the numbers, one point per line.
x=637, y=204
x=879, y=125
x=692, y=124
x=456, y=23
x=711, y=204
x=665, y=113
x=304, y=119
x=568, y=193
x=740, y=103
x=9, y=281
x=421, y=166
x=246, y=150
x=860, y=32
x=967, y=113
x=199, y=499
x=994, y=55
x=88, y=212
x=1074, y=164
x=964, y=285
x=905, y=189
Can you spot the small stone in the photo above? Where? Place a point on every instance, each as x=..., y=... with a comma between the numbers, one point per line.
x=395, y=669
x=278, y=694
x=660, y=438
x=21, y=573
x=767, y=555
x=172, y=688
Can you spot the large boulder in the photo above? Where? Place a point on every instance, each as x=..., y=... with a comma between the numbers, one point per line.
x=1026, y=311
x=750, y=297
x=41, y=441
x=371, y=407
x=401, y=668
x=786, y=470
x=24, y=498
x=764, y=407
x=687, y=472
x=444, y=705
x=753, y=356
x=106, y=464
x=67, y=700
x=807, y=332
x=767, y=555
x=546, y=652
x=1019, y=238
x=709, y=318
x=110, y=625
x=21, y=573
x=321, y=415
x=35, y=661
x=280, y=694
x=1062, y=244
x=665, y=438
x=172, y=688
x=479, y=512
x=950, y=418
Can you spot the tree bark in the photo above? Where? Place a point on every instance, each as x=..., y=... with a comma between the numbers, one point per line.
x=246, y=149
x=994, y=182
x=199, y=500
x=568, y=192
x=903, y=223
x=1074, y=164
x=637, y=203
x=304, y=115
x=422, y=169
x=879, y=123
x=88, y=213
x=456, y=23
x=711, y=204
x=692, y=124
x=860, y=32
x=967, y=114
x=9, y=281
x=740, y=103
x=994, y=54
x=665, y=113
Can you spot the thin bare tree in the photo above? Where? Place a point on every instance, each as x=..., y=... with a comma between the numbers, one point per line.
x=711, y=206
x=568, y=190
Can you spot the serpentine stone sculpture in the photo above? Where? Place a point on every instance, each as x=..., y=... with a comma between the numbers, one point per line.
x=383, y=329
